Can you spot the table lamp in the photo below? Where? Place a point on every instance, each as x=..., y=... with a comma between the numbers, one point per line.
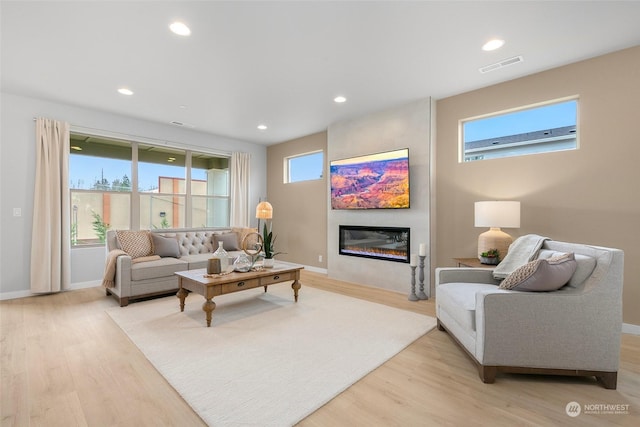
x=496, y=214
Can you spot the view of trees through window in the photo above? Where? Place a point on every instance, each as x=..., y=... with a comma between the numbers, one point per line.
x=111, y=190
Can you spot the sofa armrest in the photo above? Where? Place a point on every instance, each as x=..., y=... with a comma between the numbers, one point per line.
x=123, y=276
x=562, y=329
x=464, y=275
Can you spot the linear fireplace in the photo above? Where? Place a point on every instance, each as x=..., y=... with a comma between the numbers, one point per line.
x=386, y=243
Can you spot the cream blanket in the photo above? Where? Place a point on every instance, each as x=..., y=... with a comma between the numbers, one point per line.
x=108, y=278
x=521, y=251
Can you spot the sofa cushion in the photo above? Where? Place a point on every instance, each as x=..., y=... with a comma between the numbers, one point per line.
x=165, y=246
x=542, y=274
x=135, y=243
x=459, y=301
x=157, y=269
x=229, y=241
x=585, y=267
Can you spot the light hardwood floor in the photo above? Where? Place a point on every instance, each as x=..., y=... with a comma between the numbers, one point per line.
x=64, y=362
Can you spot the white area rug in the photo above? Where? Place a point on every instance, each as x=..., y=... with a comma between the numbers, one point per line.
x=266, y=360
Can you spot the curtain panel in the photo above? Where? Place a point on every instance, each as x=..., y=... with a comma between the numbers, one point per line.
x=51, y=235
x=239, y=210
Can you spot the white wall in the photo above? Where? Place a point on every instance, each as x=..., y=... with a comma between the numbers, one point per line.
x=405, y=126
x=17, y=160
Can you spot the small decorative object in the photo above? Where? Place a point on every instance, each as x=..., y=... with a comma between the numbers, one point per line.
x=243, y=263
x=213, y=266
x=413, y=264
x=223, y=256
x=421, y=294
x=490, y=257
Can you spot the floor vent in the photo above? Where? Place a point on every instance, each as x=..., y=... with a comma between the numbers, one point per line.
x=501, y=64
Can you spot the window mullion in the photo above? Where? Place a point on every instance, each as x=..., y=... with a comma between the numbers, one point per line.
x=135, y=194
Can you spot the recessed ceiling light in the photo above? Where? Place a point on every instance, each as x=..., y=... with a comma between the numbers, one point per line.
x=339, y=99
x=493, y=45
x=125, y=91
x=262, y=127
x=180, y=29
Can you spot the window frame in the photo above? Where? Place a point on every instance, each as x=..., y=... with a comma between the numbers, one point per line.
x=520, y=145
x=286, y=176
x=135, y=193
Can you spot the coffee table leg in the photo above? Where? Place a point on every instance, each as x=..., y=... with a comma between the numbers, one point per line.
x=295, y=286
x=208, y=308
x=182, y=294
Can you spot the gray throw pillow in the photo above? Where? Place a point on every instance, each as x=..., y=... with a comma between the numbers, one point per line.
x=165, y=246
x=542, y=274
x=229, y=241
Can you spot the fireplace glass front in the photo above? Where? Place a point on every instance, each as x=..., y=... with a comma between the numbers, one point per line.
x=385, y=243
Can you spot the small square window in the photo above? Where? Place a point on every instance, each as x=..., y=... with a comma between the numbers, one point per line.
x=304, y=167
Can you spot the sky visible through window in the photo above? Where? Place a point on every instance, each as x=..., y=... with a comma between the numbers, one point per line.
x=539, y=118
x=306, y=167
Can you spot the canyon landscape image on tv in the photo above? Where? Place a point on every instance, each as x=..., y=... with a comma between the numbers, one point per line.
x=375, y=181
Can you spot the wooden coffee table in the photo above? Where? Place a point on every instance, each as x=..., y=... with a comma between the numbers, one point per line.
x=209, y=287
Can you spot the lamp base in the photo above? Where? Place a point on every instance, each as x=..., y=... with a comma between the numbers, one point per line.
x=494, y=239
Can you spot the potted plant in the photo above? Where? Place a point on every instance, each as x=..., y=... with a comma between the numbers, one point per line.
x=490, y=257
x=268, y=247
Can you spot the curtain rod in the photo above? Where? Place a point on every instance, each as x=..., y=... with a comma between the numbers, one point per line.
x=137, y=138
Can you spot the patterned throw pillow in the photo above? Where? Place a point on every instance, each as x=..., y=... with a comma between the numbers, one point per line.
x=135, y=243
x=542, y=274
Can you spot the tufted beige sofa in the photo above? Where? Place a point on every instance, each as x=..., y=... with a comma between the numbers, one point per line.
x=135, y=280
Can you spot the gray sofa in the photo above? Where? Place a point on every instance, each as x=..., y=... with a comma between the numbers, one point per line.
x=574, y=331
x=135, y=280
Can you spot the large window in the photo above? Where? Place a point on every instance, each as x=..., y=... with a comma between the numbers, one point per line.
x=119, y=184
x=528, y=130
x=304, y=167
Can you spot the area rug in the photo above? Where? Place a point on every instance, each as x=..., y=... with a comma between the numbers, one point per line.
x=266, y=360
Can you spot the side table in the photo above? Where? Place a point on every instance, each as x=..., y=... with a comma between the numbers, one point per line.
x=471, y=262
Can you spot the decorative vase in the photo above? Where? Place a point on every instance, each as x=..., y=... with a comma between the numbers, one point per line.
x=224, y=257
x=268, y=262
x=243, y=263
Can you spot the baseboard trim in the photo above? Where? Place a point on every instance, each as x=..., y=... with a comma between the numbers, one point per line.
x=25, y=294
x=628, y=328
x=316, y=269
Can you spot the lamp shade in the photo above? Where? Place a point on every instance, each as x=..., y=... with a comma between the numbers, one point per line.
x=497, y=214
x=264, y=210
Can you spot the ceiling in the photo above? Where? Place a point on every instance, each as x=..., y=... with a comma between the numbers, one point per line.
x=282, y=63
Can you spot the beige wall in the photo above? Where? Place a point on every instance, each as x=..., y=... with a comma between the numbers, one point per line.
x=589, y=195
x=299, y=208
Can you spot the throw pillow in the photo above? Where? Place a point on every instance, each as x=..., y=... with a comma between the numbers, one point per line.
x=165, y=246
x=229, y=241
x=542, y=274
x=135, y=243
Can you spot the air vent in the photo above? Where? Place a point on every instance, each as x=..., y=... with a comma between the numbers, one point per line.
x=501, y=64
x=187, y=125
x=177, y=123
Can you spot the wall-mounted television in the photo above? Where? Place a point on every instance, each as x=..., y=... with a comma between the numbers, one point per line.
x=373, y=181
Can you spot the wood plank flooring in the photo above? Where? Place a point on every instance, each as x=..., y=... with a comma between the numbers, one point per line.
x=64, y=362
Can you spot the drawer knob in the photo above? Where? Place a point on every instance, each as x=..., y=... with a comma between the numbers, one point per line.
x=276, y=277
x=240, y=284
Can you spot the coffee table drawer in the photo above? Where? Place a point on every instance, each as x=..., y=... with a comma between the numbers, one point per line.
x=240, y=285
x=278, y=277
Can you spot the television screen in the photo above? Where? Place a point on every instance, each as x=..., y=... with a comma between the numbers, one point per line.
x=374, y=181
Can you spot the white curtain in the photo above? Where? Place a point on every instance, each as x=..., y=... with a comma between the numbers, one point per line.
x=50, y=238
x=239, y=190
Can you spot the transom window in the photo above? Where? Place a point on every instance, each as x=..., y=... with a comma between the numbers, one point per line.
x=304, y=167
x=118, y=184
x=532, y=129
